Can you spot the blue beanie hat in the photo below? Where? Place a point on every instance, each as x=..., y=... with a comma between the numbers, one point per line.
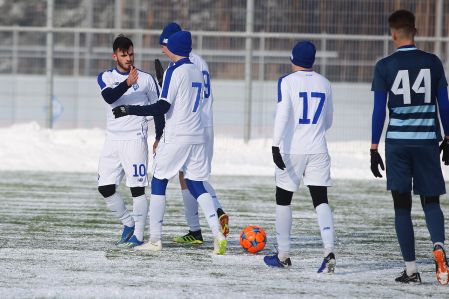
x=180, y=43
x=303, y=54
x=168, y=30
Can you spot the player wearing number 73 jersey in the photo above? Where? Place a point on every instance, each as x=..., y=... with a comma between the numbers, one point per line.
x=414, y=83
x=303, y=115
x=194, y=236
x=183, y=145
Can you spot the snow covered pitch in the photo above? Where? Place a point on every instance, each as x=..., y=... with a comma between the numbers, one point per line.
x=57, y=241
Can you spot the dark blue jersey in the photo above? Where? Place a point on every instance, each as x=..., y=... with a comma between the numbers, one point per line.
x=411, y=78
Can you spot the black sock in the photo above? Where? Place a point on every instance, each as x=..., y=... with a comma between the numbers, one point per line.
x=220, y=212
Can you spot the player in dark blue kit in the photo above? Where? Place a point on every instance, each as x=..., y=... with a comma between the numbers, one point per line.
x=415, y=84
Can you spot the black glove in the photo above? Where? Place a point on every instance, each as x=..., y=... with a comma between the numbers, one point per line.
x=444, y=147
x=376, y=160
x=277, y=158
x=120, y=111
x=159, y=71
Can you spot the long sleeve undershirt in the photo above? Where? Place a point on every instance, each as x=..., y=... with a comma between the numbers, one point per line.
x=159, y=108
x=443, y=108
x=379, y=114
x=110, y=95
x=159, y=125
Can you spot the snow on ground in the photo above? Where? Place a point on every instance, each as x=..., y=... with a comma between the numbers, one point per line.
x=29, y=147
x=57, y=242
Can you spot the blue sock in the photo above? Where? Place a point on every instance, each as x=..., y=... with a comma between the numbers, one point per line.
x=405, y=233
x=435, y=221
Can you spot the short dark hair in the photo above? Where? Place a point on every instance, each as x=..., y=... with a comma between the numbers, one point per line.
x=403, y=20
x=121, y=42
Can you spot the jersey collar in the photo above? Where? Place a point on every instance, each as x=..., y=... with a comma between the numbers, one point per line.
x=182, y=61
x=407, y=48
x=121, y=73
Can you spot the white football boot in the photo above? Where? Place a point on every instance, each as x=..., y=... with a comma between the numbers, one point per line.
x=150, y=246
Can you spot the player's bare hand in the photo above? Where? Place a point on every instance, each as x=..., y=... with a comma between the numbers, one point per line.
x=120, y=111
x=376, y=161
x=155, y=144
x=132, y=77
x=277, y=158
x=444, y=147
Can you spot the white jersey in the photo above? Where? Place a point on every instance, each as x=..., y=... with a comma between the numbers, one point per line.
x=183, y=89
x=206, y=111
x=303, y=114
x=144, y=92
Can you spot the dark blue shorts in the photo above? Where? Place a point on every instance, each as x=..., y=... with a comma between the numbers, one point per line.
x=417, y=164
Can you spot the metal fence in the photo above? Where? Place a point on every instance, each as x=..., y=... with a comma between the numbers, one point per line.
x=52, y=50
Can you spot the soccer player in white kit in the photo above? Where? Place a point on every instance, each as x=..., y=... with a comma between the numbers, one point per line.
x=194, y=235
x=183, y=143
x=125, y=152
x=303, y=115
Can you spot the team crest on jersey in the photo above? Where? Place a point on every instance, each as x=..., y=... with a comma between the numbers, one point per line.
x=136, y=86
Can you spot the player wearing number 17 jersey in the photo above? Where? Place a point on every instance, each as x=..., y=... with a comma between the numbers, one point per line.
x=415, y=84
x=303, y=115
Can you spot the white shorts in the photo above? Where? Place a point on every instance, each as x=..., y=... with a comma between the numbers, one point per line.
x=313, y=169
x=170, y=158
x=124, y=157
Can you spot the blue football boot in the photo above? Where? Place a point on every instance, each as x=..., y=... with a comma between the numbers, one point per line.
x=328, y=264
x=133, y=242
x=127, y=233
x=274, y=261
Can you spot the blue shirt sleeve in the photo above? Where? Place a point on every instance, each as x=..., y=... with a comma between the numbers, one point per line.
x=379, y=82
x=379, y=114
x=443, y=108
x=159, y=125
x=439, y=72
x=110, y=95
x=159, y=108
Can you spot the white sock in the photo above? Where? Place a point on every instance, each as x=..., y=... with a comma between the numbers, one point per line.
x=191, y=210
x=326, y=223
x=118, y=208
x=410, y=267
x=283, y=229
x=140, y=213
x=157, y=211
x=207, y=205
x=441, y=244
x=213, y=194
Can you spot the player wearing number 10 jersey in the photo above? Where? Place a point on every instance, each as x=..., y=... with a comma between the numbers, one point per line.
x=303, y=115
x=415, y=85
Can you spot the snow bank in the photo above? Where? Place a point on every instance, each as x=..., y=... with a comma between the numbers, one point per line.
x=28, y=147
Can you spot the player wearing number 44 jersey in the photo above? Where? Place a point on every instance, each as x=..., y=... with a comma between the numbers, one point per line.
x=126, y=151
x=303, y=115
x=183, y=145
x=415, y=85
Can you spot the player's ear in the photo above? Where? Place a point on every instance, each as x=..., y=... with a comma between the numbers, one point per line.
x=394, y=35
x=114, y=57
